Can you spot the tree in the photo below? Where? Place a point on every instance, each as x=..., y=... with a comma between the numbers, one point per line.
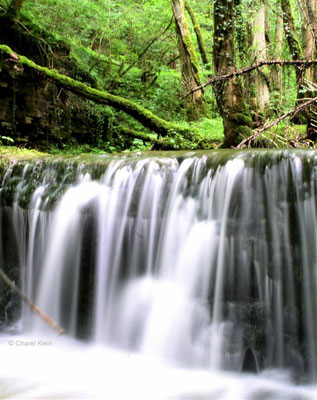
x=310, y=52
x=260, y=52
x=229, y=93
x=198, y=33
x=297, y=54
x=137, y=57
x=291, y=37
x=295, y=49
x=189, y=62
x=277, y=49
x=308, y=8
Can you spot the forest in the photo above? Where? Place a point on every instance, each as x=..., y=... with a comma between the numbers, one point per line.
x=107, y=76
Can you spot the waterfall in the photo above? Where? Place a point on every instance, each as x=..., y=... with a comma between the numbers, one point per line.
x=200, y=261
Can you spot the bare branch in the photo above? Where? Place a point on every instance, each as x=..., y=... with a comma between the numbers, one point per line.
x=258, y=132
x=298, y=63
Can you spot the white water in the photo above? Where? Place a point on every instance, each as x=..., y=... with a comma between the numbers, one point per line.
x=66, y=369
x=179, y=251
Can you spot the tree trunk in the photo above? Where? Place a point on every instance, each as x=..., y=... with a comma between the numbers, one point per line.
x=309, y=33
x=199, y=36
x=291, y=35
x=243, y=32
x=296, y=52
x=259, y=48
x=14, y=9
x=277, y=50
x=189, y=63
x=230, y=98
x=311, y=7
x=310, y=52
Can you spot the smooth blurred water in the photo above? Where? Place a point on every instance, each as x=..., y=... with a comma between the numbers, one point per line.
x=169, y=268
x=68, y=369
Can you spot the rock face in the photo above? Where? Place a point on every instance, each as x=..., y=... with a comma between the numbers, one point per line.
x=9, y=302
x=27, y=106
x=34, y=111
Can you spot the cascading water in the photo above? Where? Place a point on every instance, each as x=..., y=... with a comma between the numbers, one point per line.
x=191, y=265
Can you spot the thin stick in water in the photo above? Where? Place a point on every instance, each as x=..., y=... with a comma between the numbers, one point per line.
x=32, y=306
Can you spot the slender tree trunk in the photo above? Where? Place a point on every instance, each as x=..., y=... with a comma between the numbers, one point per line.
x=259, y=48
x=189, y=62
x=277, y=50
x=291, y=35
x=14, y=9
x=310, y=52
x=296, y=52
x=242, y=30
x=230, y=97
x=309, y=33
x=198, y=33
x=267, y=24
x=311, y=7
x=306, y=116
x=243, y=43
x=313, y=16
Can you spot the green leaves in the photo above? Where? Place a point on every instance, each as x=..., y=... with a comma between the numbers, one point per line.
x=6, y=139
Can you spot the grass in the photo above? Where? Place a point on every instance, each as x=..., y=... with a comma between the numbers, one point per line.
x=211, y=129
x=77, y=149
x=14, y=153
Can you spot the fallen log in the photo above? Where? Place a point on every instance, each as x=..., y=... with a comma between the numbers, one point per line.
x=145, y=117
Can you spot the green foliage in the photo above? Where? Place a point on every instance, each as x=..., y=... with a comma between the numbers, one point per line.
x=6, y=139
x=73, y=149
x=106, y=38
x=211, y=129
x=13, y=152
x=139, y=145
x=107, y=42
x=164, y=96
